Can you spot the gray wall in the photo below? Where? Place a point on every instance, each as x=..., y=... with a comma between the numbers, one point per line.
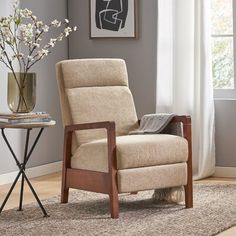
x=225, y=133
x=140, y=54
x=49, y=148
x=6, y=164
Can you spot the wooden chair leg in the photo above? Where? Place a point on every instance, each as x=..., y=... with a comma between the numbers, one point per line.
x=114, y=204
x=65, y=195
x=64, y=189
x=188, y=195
x=113, y=196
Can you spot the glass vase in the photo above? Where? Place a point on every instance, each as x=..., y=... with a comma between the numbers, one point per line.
x=21, y=96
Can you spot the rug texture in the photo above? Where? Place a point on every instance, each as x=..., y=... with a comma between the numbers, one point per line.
x=88, y=214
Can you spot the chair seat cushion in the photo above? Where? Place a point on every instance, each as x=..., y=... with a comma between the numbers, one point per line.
x=133, y=151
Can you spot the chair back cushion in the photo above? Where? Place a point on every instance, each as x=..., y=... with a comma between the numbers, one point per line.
x=93, y=90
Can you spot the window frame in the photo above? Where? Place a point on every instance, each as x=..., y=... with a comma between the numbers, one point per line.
x=228, y=93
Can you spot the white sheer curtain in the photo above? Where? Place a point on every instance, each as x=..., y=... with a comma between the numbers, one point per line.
x=184, y=81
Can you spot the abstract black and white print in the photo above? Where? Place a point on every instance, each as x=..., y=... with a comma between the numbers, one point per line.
x=112, y=18
x=111, y=14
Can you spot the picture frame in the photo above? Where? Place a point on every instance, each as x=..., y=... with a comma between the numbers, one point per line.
x=113, y=18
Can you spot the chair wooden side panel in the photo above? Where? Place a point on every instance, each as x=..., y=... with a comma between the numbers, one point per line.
x=87, y=180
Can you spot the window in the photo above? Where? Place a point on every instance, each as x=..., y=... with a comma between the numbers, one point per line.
x=223, y=41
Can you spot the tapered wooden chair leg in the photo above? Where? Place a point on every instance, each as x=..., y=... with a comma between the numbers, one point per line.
x=188, y=195
x=64, y=195
x=114, y=205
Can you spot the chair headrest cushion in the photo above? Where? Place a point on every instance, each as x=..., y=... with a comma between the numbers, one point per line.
x=94, y=72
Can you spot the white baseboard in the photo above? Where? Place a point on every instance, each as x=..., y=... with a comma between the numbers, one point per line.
x=225, y=172
x=33, y=172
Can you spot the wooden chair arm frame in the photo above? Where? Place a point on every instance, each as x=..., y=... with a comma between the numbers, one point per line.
x=111, y=141
x=182, y=119
x=187, y=132
x=91, y=180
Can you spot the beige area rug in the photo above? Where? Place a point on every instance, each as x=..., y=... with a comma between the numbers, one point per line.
x=88, y=214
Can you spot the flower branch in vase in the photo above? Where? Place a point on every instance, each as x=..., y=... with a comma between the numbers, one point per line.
x=21, y=37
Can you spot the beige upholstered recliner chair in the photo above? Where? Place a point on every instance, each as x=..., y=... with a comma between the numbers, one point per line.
x=98, y=113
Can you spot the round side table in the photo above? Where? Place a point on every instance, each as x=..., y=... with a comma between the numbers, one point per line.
x=27, y=154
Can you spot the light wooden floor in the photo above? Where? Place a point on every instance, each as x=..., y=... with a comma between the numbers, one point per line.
x=49, y=185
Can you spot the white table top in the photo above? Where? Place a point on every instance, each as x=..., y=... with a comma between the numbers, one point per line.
x=29, y=125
